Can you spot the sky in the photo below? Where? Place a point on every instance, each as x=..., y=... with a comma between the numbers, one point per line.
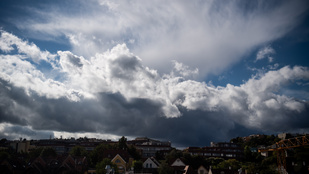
x=189, y=72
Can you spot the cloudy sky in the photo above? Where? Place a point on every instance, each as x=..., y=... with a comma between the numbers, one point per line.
x=189, y=72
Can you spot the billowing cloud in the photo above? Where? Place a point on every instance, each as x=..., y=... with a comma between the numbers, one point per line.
x=114, y=93
x=29, y=50
x=208, y=35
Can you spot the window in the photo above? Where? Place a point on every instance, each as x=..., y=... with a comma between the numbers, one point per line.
x=229, y=155
x=117, y=161
x=201, y=172
x=146, y=165
x=150, y=165
x=216, y=154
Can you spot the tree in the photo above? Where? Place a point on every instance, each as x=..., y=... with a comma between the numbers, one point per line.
x=3, y=141
x=48, y=152
x=78, y=151
x=4, y=155
x=230, y=163
x=138, y=165
x=133, y=152
x=174, y=154
x=214, y=161
x=238, y=140
x=165, y=169
x=97, y=154
x=34, y=153
x=100, y=167
x=248, y=154
x=122, y=143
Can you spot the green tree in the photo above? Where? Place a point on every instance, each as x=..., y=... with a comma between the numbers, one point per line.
x=174, y=154
x=4, y=155
x=165, y=168
x=48, y=152
x=248, y=154
x=97, y=154
x=78, y=151
x=100, y=167
x=34, y=153
x=214, y=161
x=238, y=140
x=269, y=164
x=194, y=161
x=122, y=143
x=138, y=165
x=230, y=163
x=133, y=152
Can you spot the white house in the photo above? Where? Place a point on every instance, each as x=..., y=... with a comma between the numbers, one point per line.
x=151, y=163
x=178, y=162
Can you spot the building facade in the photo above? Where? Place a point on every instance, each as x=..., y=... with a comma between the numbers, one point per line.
x=221, y=150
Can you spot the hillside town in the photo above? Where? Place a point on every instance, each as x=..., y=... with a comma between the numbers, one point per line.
x=142, y=155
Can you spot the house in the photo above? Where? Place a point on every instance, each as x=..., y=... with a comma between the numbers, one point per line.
x=178, y=163
x=202, y=170
x=151, y=163
x=59, y=164
x=121, y=163
x=74, y=163
x=179, y=166
x=12, y=166
x=119, y=157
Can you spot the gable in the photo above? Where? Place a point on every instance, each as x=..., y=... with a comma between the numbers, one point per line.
x=110, y=154
x=149, y=163
x=118, y=159
x=202, y=170
x=178, y=162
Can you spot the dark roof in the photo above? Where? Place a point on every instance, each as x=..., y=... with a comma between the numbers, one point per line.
x=112, y=153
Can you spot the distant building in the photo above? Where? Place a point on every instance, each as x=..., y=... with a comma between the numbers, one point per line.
x=222, y=150
x=248, y=138
x=65, y=145
x=150, y=147
x=22, y=146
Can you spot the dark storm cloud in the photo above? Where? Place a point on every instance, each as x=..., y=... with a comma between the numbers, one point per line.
x=9, y=111
x=114, y=93
x=115, y=115
x=14, y=132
